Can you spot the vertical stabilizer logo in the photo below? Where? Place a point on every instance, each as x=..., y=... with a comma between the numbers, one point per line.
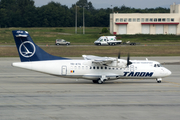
x=27, y=49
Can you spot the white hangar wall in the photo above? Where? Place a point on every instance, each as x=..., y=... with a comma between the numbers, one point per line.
x=146, y=23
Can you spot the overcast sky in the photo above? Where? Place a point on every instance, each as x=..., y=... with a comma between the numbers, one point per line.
x=107, y=3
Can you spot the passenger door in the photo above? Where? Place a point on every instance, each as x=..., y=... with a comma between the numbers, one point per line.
x=63, y=70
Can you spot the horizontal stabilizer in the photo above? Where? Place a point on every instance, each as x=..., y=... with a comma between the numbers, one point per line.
x=21, y=35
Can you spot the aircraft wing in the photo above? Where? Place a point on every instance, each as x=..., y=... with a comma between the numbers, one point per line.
x=100, y=60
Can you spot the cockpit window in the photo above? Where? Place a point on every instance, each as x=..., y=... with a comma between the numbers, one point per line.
x=157, y=65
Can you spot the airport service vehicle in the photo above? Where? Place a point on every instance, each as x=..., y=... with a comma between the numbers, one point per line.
x=62, y=42
x=107, y=40
x=95, y=68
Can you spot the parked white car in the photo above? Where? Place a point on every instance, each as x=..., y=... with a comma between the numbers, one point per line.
x=62, y=42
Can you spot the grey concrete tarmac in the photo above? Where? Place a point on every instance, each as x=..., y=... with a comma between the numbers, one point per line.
x=28, y=95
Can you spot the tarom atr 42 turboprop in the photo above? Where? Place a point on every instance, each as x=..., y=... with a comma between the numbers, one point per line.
x=95, y=68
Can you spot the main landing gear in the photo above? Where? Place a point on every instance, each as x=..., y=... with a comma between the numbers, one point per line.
x=159, y=80
x=98, y=81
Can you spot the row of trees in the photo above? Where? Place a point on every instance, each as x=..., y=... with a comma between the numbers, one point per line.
x=23, y=13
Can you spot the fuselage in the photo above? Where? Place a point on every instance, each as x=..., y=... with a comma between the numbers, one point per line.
x=88, y=70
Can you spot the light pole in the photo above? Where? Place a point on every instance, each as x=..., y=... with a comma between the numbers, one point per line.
x=84, y=19
x=76, y=21
x=112, y=19
x=83, y=22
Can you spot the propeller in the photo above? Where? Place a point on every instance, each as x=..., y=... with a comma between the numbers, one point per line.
x=128, y=62
x=119, y=55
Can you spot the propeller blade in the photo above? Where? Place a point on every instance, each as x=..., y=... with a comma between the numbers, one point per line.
x=119, y=56
x=128, y=62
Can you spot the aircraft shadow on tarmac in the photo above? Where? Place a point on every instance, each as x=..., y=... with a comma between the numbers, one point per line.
x=86, y=82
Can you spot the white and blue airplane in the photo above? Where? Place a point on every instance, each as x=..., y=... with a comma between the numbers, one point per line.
x=95, y=68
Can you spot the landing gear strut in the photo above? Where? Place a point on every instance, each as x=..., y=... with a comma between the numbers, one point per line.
x=100, y=80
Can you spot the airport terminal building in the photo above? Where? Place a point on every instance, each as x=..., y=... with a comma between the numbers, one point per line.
x=146, y=23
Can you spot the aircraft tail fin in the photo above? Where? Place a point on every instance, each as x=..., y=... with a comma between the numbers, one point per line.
x=28, y=50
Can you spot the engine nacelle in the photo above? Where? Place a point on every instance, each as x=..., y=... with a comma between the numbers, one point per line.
x=122, y=63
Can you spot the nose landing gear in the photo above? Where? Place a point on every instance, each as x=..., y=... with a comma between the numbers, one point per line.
x=159, y=80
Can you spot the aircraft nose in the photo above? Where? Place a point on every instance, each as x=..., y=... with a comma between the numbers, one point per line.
x=168, y=72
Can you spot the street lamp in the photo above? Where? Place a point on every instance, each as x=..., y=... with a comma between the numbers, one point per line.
x=84, y=19
x=112, y=19
x=76, y=20
x=83, y=22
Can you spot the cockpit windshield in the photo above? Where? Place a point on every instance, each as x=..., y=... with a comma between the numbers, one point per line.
x=157, y=65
